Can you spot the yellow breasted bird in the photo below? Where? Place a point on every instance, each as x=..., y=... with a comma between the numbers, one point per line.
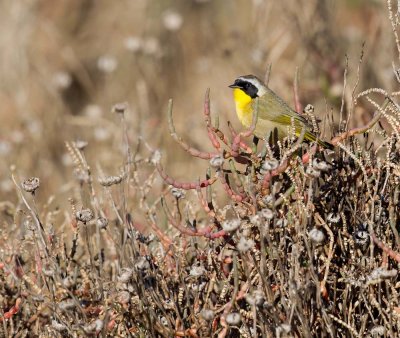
x=273, y=112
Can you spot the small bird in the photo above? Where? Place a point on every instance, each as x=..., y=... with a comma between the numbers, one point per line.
x=273, y=112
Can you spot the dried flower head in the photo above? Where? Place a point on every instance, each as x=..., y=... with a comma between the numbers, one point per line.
x=155, y=157
x=178, y=193
x=142, y=263
x=255, y=298
x=231, y=225
x=107, y=64
x=313, y=172
x=378, y=331
x=120, y=108
x=133, y=43
x=333, y=218
x=102, y=222
x=217, y=161
x=197, y=271
x=244, y=244
x=84, y=215
x=58, y=326
x=309, y=109
x=125, y=275
x=31, y=184
x=233, y=318
x=108, y=181
x=123, y=297
x=321, y=165
x=80, y=144
x=270, y=164
x=316, y=235
x=172, y=20
x=207, y=314
x=266, y=213
x=378, y=274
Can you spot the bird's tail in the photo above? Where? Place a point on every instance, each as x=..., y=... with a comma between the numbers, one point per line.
x=309, y=136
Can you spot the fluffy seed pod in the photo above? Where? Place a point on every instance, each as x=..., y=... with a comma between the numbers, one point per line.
x=31, y=184
x=231, y=225
x=316, y=235
x=108, y=181
x=217, y=161
x=233, y=318
x=84, y=215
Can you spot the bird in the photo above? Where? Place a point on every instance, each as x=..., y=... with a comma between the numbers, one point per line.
x=273, y=112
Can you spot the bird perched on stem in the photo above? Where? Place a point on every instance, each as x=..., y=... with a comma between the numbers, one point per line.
x=273, y=112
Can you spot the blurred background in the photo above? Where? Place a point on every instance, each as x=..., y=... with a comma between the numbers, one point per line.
x=65, y=63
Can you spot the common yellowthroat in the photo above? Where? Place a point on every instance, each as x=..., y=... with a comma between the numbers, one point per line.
x=273, y=112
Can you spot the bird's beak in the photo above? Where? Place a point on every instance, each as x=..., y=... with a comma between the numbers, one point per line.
x=233, y=86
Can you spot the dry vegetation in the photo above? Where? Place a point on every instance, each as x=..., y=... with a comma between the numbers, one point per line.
x=99, y=234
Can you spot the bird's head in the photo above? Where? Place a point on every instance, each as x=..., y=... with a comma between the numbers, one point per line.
x=250, y=85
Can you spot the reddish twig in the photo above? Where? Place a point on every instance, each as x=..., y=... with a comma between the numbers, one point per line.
x=297, y=103
x=183, y=185
x=233, y=195
x=192, y=151
x=204, y=232
x=391, y=253
x=284, y=165
x=363, y=129
x=14, y=309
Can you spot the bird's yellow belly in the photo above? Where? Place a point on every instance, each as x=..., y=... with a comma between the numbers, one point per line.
x=244, y=111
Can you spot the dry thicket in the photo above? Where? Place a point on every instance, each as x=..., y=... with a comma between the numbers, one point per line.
x=278, y=239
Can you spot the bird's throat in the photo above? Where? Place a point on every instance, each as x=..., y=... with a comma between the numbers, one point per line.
x=243, y=106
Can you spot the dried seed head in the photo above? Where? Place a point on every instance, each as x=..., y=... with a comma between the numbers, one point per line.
x=94, y=327
x=378, y=274
x=256, y=220
x=81, y=175
x=155, y=157
x=58, y=326
x=133, y=43
x=84, y=215
x=231, y=225
x=123, y=297
x=102, y=222
x=233, y=318
x=217, y=161
x=108, y=181
x=197, y=271
x=255, y=298
x=68, y=282
x=361, y=236
x=107, y=63
x=283, y=328
x=31, y=184
x=178, y=193
x=207, y=314
x=270, y=164
x=266, y=213
x=333, y=218
x=378, y=331
x=321, y=165
x=67, y=304
x=80, y=144
x=313, y=172
x=244, y=244
x=281, y=222
x=125, y=275
x=142, y=263
x=309, y=109
x=120, y=108
x=172, y=20
x=316, y=235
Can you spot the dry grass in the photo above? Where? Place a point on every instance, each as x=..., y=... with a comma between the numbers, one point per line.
x=269, y=240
